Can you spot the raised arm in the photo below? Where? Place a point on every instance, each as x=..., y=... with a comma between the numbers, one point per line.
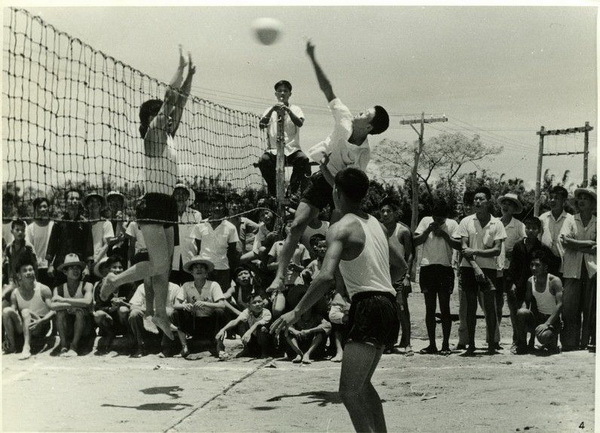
x=183, y=95
x=324, y=83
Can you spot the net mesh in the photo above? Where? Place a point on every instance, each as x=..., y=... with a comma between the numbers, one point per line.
x=70, y=118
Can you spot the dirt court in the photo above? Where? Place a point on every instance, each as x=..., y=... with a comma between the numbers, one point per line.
x=421, y=393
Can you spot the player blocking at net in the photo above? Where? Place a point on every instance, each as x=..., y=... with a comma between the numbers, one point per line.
x=346, y=146
x=360, y=246
x=156, y=211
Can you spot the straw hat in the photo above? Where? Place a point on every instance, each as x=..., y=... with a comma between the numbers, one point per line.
x=198, y=259
x=71, y=259
x=94, y=194
x=589, y=191
x=512, y=198
x=115, y=194
x=106, y=262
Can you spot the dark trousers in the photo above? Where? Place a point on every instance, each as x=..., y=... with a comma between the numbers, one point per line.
x=300, y=171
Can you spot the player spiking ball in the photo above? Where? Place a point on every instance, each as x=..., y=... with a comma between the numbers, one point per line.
x=346, y=146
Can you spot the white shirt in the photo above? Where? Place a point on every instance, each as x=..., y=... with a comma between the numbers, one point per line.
x=515, y=231
x=210, y=292
x=38, y=237
x=291, y=132
x=435, y=250
x=343, y=153
x=299, y=256
x=572, y=260
x=263, y=318
x=551, y=228
x=139, y=297
x=101, y=231
x=215, y=242
x=480, y=238
x=186, y=248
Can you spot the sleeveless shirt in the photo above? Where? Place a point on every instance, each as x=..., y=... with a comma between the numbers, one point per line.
x=370, y=270
x=36, y=304
x=546, y=302
x=161, y=171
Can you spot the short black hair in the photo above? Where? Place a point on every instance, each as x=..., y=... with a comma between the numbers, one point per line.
x=468, y=198
x=540, y=255
x=559, y=190
x=17, y=222
x=241, y=269
x=440, y=208
x=147, y=109
x=353, y=183
x=38, y=201
x=285, y=83
x=483, y=190
x=389, y=201
x=24, y=260
x=217, y=198
x=380, y=121
x=316, y=238
x=70, y=190
x=533, y=221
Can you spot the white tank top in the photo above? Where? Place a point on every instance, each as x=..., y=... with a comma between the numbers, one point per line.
x=78, y=292
x=546, y=302
x=161, y=171
x=370, y=271
x=394, y=239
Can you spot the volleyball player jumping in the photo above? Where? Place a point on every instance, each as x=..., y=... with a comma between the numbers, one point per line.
x=156, y=212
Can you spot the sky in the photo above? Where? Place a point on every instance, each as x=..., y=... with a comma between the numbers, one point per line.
x=497, y=71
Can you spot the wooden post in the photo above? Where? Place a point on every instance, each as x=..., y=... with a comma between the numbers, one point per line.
x=586, y=142
x=414, y=218
x=280, y=166
x=538, y=180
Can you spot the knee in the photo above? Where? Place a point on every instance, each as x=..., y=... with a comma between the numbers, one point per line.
x=80, y=313
x=8, y=312
x=135, y=315
x=522, y=313
x=26, y=313
x=123, y=311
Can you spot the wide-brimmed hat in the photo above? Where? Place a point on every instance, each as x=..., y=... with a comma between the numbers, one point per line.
x=198, y=259
x=514, y=199
x=115, y=194
x=94, y=194
x=71, y=259
x=106, y=262
x=589, y=191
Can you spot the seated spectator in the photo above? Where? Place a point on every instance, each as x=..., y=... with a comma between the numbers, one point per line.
x=257, y=340
x=115, y=205
x=72, y=302
x=217, y=241
x=338, y=316
x=111, y=315
x=71, y=235
x=245, y=227
x=316, y=225
x=138, y=323
x=29, y=313
x=136, y=243
x=184, y=249
x=199, y=307
x=37, y=234
x=543, y=300
x=306, y=338
x=17, y=249
x=239, y=295
x=294, y=286
x=102, y=229
x=318, y=244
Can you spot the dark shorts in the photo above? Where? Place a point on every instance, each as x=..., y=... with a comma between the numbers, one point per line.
x=319, y=192
x=374, y=319
x=436, y=279
x=157, y=208
x=197, y=327
x=468, y=282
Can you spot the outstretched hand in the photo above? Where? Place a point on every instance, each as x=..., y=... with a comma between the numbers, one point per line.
x=191, y=66
x=310, y=49
x=182, y=62
x=283, y=322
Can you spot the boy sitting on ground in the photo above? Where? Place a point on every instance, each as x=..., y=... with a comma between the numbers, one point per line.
x=307, y=337
x=256, y=339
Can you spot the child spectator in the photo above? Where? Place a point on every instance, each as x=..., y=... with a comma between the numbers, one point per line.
x=338, y=316
x=239, y=295
x=29, y=313
x=199, y=307
x=16, y=250
x=37, y=234
x=307, y=337
x=256, y=338
x=72, y=302
x=245, y=227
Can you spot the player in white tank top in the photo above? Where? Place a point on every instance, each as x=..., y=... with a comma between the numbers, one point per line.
x=159, y=121
x=358, y=244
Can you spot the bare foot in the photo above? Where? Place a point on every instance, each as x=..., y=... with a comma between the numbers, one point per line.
x=165, y=326
x=306, y=360
x=278, y=284
x=70, y=354
x=149, y=325
x=297, y=359
x=108, y=286
x=337, y=358
x=25, y=354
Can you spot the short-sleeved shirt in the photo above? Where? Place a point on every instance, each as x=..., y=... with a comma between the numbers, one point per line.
x=300, y=255
x=210, y=292
x=185, y=249
x=101, y=231
x=435, y=250
x=215, y=242
x=38, y=236
x=480, y=238
x=264, y=317
x=515, y=231
x=572, y=260
x=342, y=153
x=134, y=231
x=291, y=132
x=551, y=228
x=139, y=297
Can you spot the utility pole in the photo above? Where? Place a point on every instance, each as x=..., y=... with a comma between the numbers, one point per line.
x=280, y=167
x=542, y=133
x=414, y=175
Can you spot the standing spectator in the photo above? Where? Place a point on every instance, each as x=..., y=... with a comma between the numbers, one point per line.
x=216, y=240
x=543, y=297
x=481, y=237
x=510, y=205
x=552, y=222
x=16, y=249
x=184, y=245
x=72, y=302
x=245, y=227
x=102, y=230
x=136, y=241
x=29, y=312
x=400, y=236
x=71, y=235
x=293, y=119
x=37, y=234
x=436, y=276
x=115, y=202
x=463, y=334
x=9, y=212
x=578, y=237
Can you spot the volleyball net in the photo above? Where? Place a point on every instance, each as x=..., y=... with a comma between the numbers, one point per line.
x=70, y=118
